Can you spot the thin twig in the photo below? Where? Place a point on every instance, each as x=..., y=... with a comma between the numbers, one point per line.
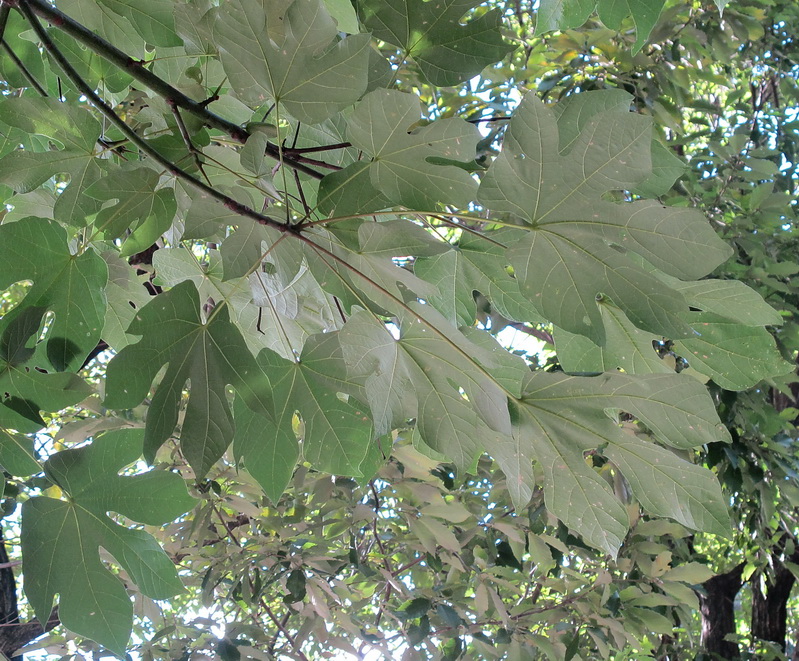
x=136, y=69
x=283, y=630
x=310, y=150
x=531, y=330
x=408, y=566
x=480, y=120
x=184, y=133
x=5, y=10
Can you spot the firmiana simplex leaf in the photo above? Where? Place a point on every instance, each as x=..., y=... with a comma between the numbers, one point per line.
x=288, y=53
x=61, y=538
x=209, y=354
x=428, y=374
x=25, y=170
x=70, y=286
x=336, y=429
x=565, y=417
x=576, y=245
x=432, y=32
x=403, y=169
x=26, y=388
x=567, y=14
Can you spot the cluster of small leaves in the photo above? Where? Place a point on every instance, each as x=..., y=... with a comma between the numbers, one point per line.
x=290, y=257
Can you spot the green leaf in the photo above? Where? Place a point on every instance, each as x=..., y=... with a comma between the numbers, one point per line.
x=61, y=539
x=153, y=20
x=401, y=167
x=576, y=243
x=730, y=299
x=92, y=67
x=210, y=354
x=350, y=191
x=27, y=388
x=268, y=452
x=430, y=373
x=276, y=310
x=70, y=286
x=25, y=169
x=137, y=202
x=666, y=169
x=447, y=49
x=477, y=264
x=337, y=429
x=645, y=14
x=562, y=14
x=669, y=486
x=27, y=51
x=17, y=455
x=564, y=417
x=100, y=18
x=344, y=14
x=733, y=355
x=626, y=347
x=288, y=53
x=356, y=276
x=125, y=294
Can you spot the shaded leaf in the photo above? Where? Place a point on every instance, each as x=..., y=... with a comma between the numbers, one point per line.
x=70, y=286
x=24, y=389
x=337, y=429
x=575, y=247
x=60, y=539
x=210, y=354
x=431, y=374
x=447, y=49
x=401, y=167
x=645, y=14
x=288, y=53
x=733, y=355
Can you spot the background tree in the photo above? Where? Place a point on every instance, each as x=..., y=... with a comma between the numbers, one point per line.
x=408, y=307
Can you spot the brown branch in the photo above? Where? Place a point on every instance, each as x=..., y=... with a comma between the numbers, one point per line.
x=282, y=629
x=310, y=150
x=136, y=69
x=5, y=10
x=134, y=137
x=531, y=330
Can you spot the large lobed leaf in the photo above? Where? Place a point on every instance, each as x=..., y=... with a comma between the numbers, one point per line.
x=61, y=538
x=577, y=244
x=414, y=167
x=26, y=387
x=77, y=131
x=209, y=354
x=287, y=52
x=563, y=418
x=447, y=50
x=70, y=286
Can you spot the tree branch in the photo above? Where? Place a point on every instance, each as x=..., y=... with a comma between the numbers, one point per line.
x=134, y=137
x=530, y=330
x=136, y=69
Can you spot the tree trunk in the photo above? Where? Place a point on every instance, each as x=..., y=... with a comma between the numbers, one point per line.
x=770, y=611
x=13, y=633
x=718, y=613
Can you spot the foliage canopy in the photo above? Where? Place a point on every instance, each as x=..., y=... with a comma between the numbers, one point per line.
x=260, y=263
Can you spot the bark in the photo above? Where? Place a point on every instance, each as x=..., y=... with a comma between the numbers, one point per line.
x=13, y=633
x=770, y=610
x=717, y=607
